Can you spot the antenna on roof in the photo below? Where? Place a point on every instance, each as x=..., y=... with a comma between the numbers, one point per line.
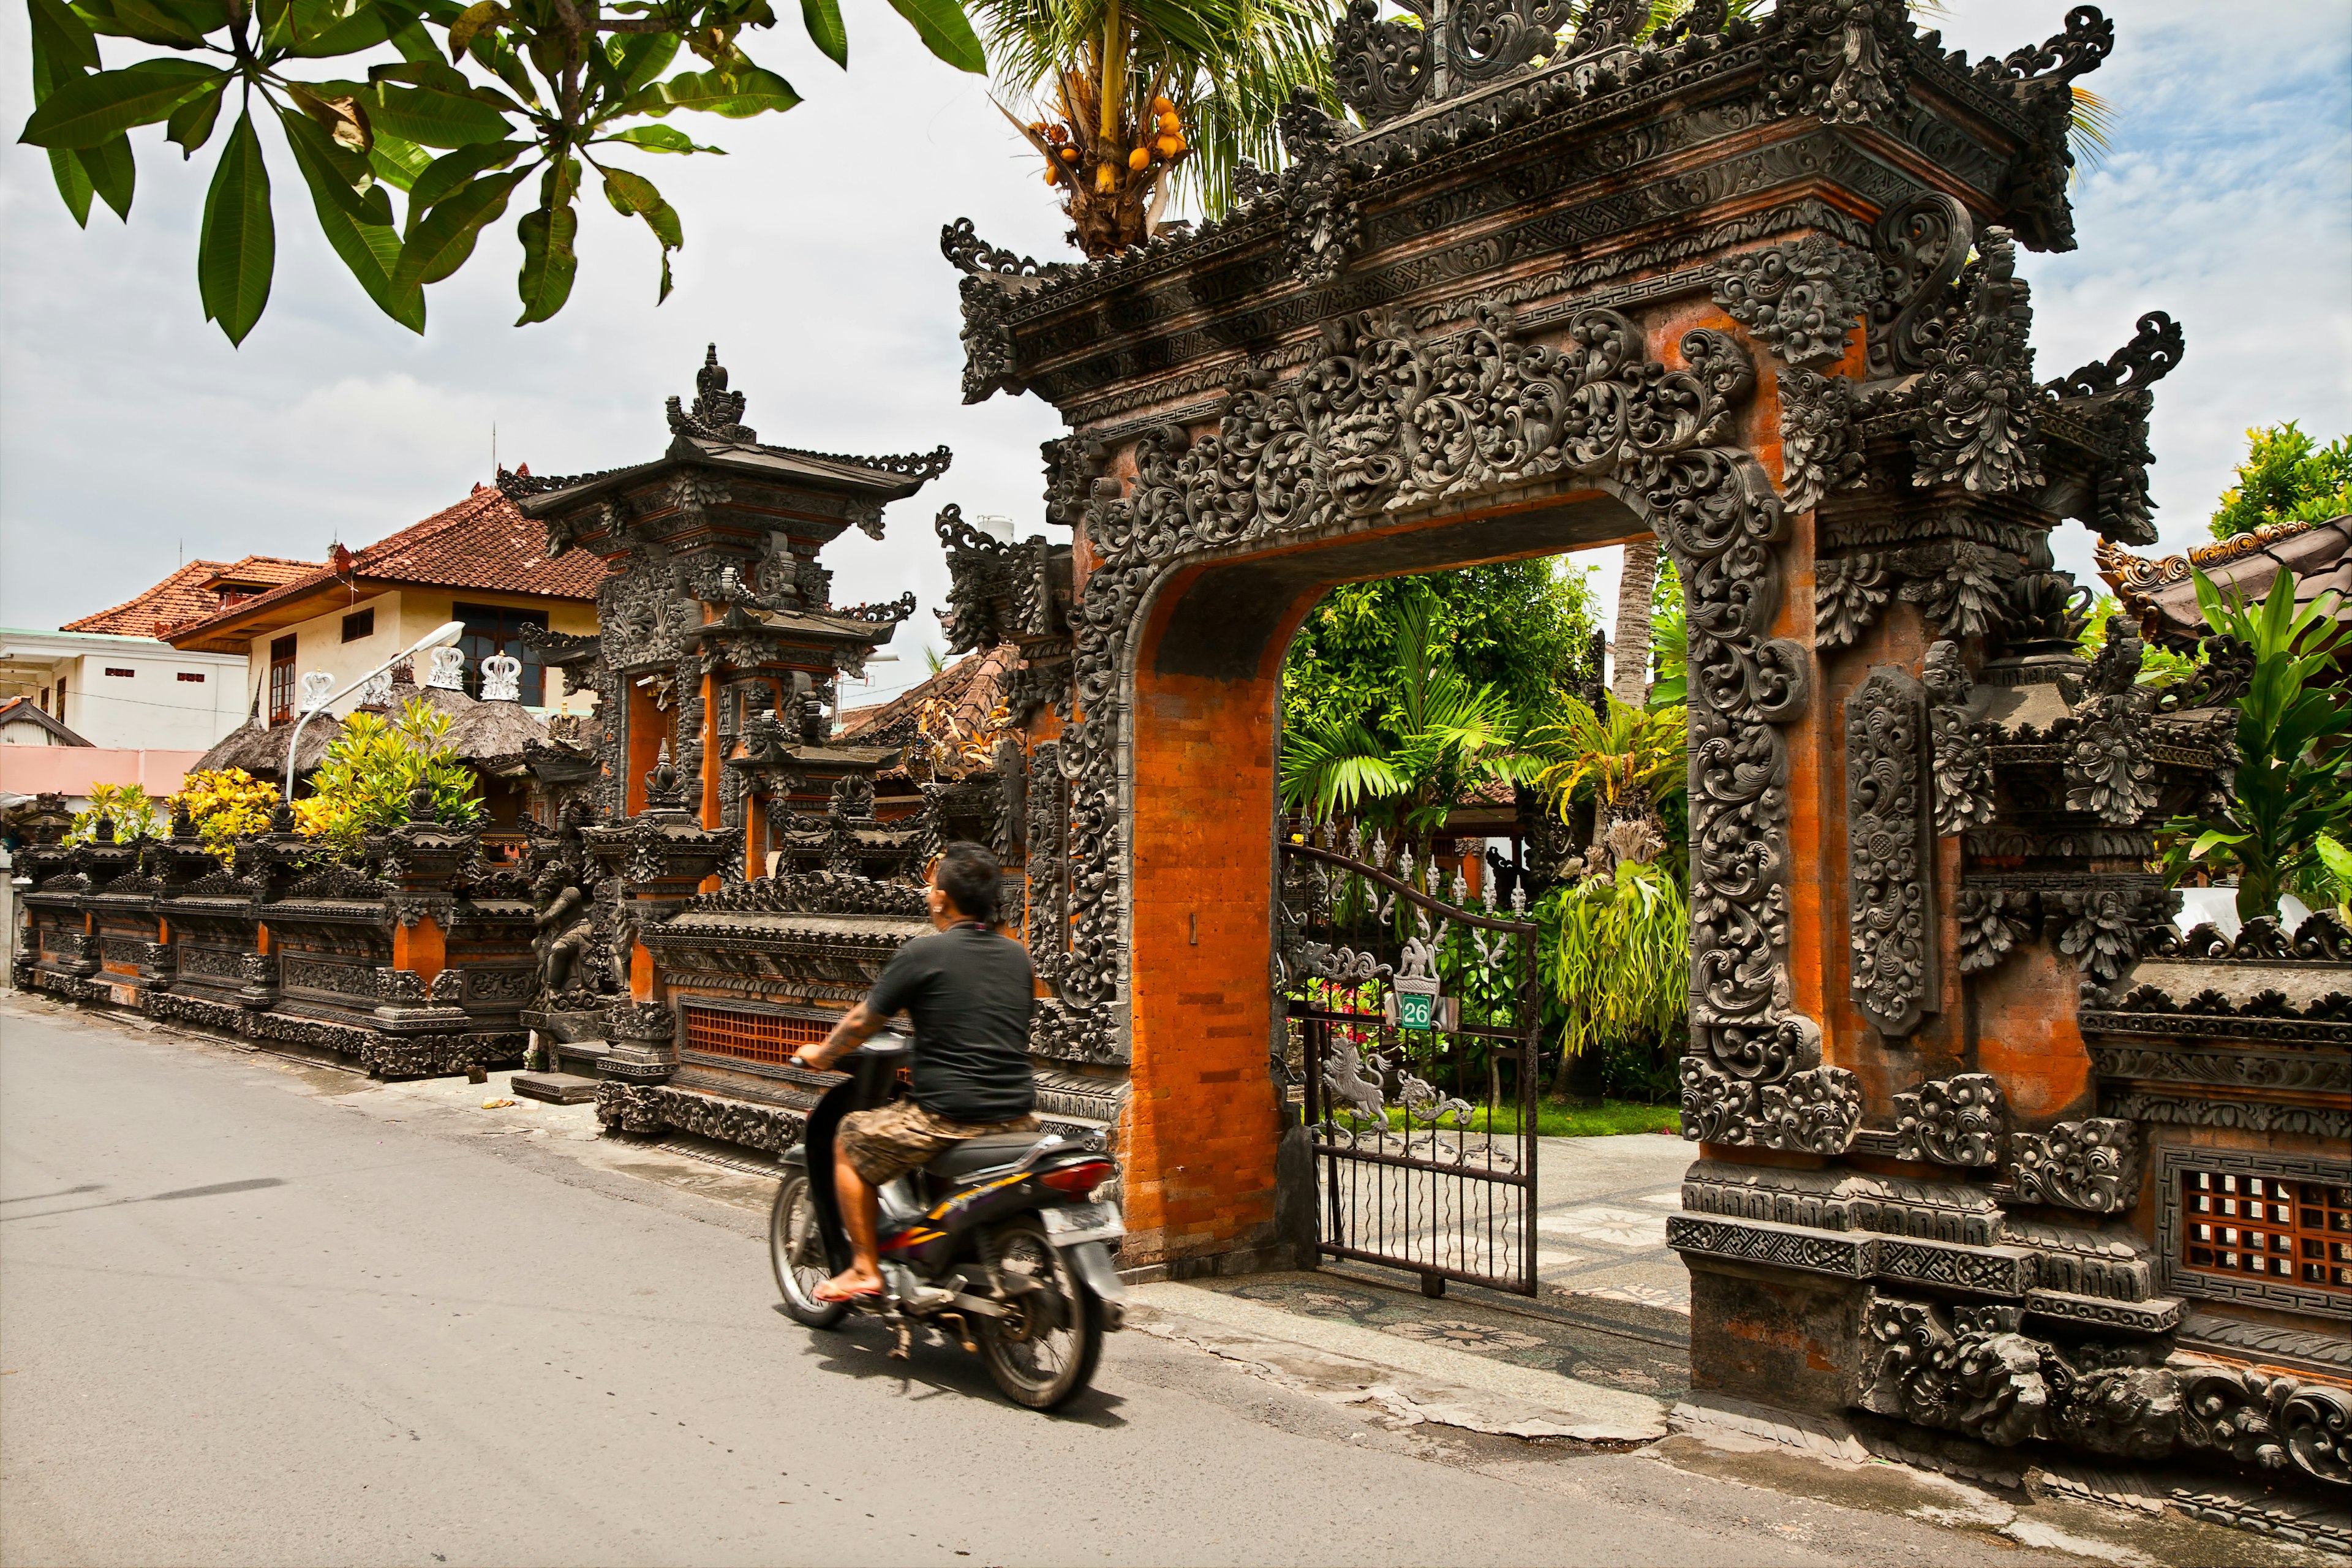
x=494, y=448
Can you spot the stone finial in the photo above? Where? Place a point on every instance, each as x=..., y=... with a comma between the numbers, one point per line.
x=502, y=679
x=448, y=670
x=716, y=414
x=665, y=789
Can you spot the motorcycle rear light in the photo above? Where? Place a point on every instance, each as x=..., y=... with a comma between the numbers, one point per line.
x=1079, y=1179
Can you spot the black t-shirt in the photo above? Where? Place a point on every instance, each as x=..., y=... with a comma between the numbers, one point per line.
x=971, y=993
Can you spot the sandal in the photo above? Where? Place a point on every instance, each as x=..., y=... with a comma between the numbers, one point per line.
x=830, y=1293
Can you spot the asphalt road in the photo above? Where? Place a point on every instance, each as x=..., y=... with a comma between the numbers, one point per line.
x=254, y=1313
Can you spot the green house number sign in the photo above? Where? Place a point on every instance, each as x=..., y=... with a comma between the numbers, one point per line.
x=1416, y=1003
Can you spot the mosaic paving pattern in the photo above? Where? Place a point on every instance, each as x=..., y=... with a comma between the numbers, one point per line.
x=1588, y=1341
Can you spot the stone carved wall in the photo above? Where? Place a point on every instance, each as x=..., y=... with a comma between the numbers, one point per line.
x=1933, y=473
x=1890, y=851
x=1974, y=1369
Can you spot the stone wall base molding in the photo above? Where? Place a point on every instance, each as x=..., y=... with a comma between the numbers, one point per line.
x=2315, y=1521
x=648, y=1109
x=1977, y=1371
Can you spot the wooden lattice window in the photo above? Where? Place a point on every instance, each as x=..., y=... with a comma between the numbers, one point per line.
x=751, y=1037
x=2267, y=1228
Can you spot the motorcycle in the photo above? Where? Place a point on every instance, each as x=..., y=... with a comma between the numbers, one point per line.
x=1000, y=1239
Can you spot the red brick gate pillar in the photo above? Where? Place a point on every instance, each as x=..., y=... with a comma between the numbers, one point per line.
x=1202, y=1120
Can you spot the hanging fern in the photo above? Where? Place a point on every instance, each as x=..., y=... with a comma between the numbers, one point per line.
x=1616, y=956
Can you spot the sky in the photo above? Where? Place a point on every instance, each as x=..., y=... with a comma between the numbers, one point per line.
x=131, y=432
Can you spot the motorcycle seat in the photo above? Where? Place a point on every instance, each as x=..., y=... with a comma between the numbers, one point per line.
x=980, y=1153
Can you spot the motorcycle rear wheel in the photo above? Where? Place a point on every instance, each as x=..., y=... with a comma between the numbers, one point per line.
x=796, y=1252
x=1042, y=1367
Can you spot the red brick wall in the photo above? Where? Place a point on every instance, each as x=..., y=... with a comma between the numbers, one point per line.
x=1203, y=1121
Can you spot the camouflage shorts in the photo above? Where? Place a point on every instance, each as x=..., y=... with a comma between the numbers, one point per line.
x=887, y=1142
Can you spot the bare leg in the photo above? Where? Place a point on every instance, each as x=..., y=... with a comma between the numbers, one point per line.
x=860, y=1216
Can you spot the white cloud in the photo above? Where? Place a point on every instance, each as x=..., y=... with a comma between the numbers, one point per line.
x=128, y=426
x=2227, y=203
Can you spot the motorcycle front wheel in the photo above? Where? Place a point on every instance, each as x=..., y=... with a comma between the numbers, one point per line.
x=1046, y=1349
x=796, y=1252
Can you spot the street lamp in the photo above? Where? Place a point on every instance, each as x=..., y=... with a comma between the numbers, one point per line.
x=446, y=635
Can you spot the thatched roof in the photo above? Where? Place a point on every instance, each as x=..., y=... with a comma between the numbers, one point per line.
x=489, y=736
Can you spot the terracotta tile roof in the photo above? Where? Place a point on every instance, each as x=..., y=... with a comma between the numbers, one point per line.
x=188, y=593
x=482, y=543
x=2318, y=555
x=971, y=686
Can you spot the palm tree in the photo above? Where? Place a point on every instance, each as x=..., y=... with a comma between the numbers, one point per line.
x=1628, y=760
x=1669, y=641
x=1442, y=736
x=1127, y=100
x=1636, y=582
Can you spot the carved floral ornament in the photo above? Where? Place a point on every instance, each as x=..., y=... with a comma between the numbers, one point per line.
x=1840, y=59
x=1973, y=1370
x=1890, y=852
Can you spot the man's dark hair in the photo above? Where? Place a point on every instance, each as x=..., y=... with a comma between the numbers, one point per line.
x=969, y=875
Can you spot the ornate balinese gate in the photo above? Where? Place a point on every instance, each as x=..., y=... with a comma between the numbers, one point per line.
x=1412, y=1019
x=1747, y=285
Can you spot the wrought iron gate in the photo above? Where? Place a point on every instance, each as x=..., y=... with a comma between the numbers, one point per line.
x=1412, y=1029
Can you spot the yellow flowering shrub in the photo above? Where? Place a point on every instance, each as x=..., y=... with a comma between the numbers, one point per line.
x=225, y=805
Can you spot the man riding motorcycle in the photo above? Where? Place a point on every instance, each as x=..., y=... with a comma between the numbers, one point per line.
x=971, y=991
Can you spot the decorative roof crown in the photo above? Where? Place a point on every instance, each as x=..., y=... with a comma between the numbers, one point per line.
x=716, y=414
x=1387, y=68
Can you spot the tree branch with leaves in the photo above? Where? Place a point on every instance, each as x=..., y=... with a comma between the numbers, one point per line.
x=478, y=98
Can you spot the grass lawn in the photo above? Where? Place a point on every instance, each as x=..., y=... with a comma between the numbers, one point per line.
x=1554, y=1120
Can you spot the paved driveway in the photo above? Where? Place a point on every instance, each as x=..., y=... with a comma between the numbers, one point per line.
x=1600, y=1221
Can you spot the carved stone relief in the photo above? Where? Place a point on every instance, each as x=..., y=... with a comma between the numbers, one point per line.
x=1993, y=921
x=1388, y=420
x=1973, y=1370
x=1814, y=1112
x=1963, y=765
x=1890, y=852
x=2110, y=771
x=1958, y=1121
x=1820, y=451
x=1978, y=396
x=1800, y=298
x=2092, y=1165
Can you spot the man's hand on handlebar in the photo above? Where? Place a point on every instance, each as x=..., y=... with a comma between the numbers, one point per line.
x=857, y=1026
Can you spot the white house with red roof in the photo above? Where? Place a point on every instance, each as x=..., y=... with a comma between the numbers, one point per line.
x=479, y=561
x=109, y=678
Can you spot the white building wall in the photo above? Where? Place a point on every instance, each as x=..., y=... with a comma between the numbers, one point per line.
x=170, y=700
x=319, y=645
x=402, y=616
